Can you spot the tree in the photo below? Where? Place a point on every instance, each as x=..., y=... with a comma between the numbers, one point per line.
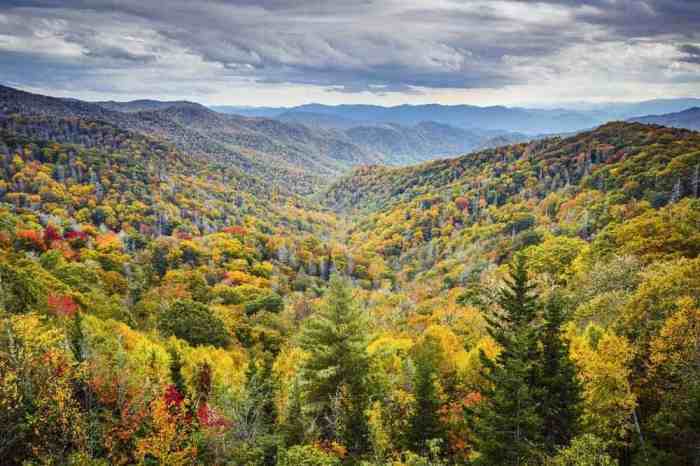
x=560, y=404
x=194, y=323
x=336, y=370
x=586, y=450
x=507, y=423
x=307, y=455
x=176, y=372
x=674, y=383
x=293, y=428
x=425, y=423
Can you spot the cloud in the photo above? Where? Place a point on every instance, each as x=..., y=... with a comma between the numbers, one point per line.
x=382, y=47
x=691, y=53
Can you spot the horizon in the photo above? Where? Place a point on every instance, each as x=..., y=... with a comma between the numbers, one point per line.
x=569, y=106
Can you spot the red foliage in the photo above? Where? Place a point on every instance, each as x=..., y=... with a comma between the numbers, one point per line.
x=51, y=234
x=62, y=305
x=235, y=230
x=173, y=397
x=210, y=418
x=71, y=235
x=32, y=239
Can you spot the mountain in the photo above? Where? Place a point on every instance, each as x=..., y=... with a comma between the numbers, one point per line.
x=298, y=151
x=585, y=160
x=688, y=119
x=318, y=120
x=627, y=110
x=405, y=144
x=140, y=105
x=290, y=156
x=462, y=116
x=575, y=117
x=505, y=119
x=264, y=112
x=162, y=302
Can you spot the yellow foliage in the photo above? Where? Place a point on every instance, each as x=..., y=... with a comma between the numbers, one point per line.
x=603, y=360
x=168, y=441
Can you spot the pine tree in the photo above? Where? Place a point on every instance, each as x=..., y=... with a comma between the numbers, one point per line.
x=176, y=372
x=261, y=385
x=560, y=404
x=425, y=423
x=293, y=428
x=337, y=368
x=507, y=424
x=76, y=337
x=262, y=415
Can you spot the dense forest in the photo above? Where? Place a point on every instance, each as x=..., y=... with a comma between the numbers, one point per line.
x=163, y=303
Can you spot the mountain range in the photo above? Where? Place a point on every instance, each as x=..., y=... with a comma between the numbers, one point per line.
x=688, y=119
x=508, y=119
x=304, y=154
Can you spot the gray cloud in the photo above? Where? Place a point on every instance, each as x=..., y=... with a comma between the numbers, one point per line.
x=638, y=18
x=692, y=53
x=351, y=46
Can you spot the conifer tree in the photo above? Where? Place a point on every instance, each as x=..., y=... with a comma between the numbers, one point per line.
x=560, y=404
x=507, y=424
x=293, y=428
x=425, y=423
x=337, y=368
x=76, y=337
x=176, y=372
x=261, y=387
x=262, y=415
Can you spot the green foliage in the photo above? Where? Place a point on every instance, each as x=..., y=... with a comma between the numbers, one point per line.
x=425, y=423
x=306, y=455
x=194, y=323
x=508, y=424
x=20, y=292
x=335, y=374
x=585, y=450
x=560, y=402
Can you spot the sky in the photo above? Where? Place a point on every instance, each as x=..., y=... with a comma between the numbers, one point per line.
x=385, y=52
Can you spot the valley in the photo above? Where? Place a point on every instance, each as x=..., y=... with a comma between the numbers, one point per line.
x=183, y=286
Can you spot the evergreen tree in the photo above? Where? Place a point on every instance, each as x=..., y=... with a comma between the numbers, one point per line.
x=76, y=337
x=560, y=404
x=262, y=416
x=293, y=428
x=335, y=373
x=176, y=372
x=261, y=385
x=425, y=423
x=507, y=424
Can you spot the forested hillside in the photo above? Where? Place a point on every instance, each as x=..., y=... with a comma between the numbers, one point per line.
x=163, y=303
x=291, y=157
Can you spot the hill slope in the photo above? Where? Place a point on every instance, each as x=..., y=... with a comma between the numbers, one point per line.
x=290, y=156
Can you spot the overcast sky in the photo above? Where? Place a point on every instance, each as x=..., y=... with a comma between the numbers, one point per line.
x=289, y=52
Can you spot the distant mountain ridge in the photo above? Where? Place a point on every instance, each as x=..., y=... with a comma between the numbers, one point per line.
x=141, y=105
x=509, y=119
x=688, y=119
